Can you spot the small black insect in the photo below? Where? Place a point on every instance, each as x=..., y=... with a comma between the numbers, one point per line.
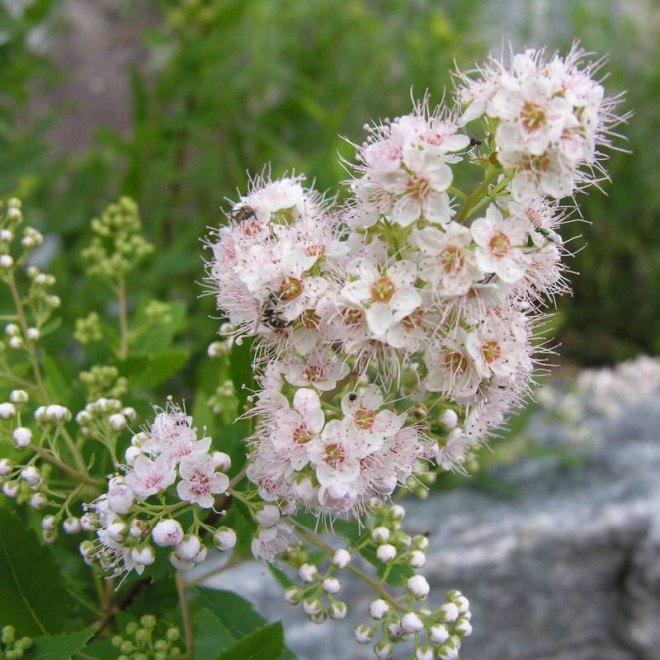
x=270, y=315
x=474, y=141
x=244, y=213
x=352, y=396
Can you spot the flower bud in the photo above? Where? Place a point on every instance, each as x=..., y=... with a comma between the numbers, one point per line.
x=188, y=547
x=143, y=554
x=48, y=523
x=5, y=467
x=378, y=609
x=11, y=488
x=71, y=525
x=380, y=535
x=311, y=606
x=449, y=612
x=318, y=617
x=420, y=542
x=411, y=623
x=331, y=585
x=221, y=461
x=181, y=564
x=424, y=653
x=7, y=411
x=117, y=531
x=120, y=498
x=38, y=501
x=6, y=262
x=419, y=586
x=224, y=538
x=383, y=650
x=449, y=419
x=386, y=552
x=22, y=437
x=308, y=573
x=33, y=334
x=138, y=528
x=364, y=634
x=397, y=512
x=439, y=633
x=167, y=532
x=461, y=602
x=117, y=421
x=417, y=559
x=463, y=627
x=131, y=454
x=268, y=516
x=293, y=595
x=337, y=610
x=341, y=558
x=18, y=396
x=449, y=650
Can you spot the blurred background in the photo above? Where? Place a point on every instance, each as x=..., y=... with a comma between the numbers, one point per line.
x=174, y=102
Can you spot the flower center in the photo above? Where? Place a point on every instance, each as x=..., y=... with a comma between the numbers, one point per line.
x=310, y=319
x=418, y=187
x=313, y=373
x=315, y=250
x=352, y=317
x=382, y=290
x=456, y=362
x=290, y=288
x=499, y=244
x=491, y=351
x=452, y=259
x=364, y=419
x=334, y=455
x=301, y=436
x=532, y=116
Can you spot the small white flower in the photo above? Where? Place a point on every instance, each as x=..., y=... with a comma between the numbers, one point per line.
x=417, y=559
x=5, y=467
x=7, y=411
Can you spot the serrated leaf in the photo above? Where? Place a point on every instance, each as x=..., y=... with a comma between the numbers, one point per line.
x=265, y=643
x=32, y=593
x=59, y=647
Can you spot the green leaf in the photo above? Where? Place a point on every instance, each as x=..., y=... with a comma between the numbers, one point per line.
x=265, y=643
x=32, y=593
x=236, y=613
x=159, y=368
x=59, y=647
x=56, y=384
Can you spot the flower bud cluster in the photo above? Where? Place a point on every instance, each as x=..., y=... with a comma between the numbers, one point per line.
x=149, y=638
x=103, y=381
x=117, y=246
x=13, y=647
x=105, y=416
x=165, y=459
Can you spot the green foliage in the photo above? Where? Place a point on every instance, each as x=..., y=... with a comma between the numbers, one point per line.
x=32, y=596
x=266, y=643
x=60, y=647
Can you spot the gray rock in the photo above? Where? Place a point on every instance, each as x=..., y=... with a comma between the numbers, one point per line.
x=569, y=569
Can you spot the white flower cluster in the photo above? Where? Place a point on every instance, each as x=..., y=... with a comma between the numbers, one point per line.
x=399, y=614
x=396, y=302
x=167, y=453
x=548, y=116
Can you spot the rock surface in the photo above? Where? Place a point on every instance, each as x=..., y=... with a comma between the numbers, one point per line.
x=569, y=569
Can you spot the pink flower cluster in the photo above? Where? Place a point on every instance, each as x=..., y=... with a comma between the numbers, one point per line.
x=167, y=453
x=549, y=118
x=401, y=326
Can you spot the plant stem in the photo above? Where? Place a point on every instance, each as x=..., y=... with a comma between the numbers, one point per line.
x=378, y=588
x=185, y=615
x=123, y=319
x=82, y=476
x=489, y=174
